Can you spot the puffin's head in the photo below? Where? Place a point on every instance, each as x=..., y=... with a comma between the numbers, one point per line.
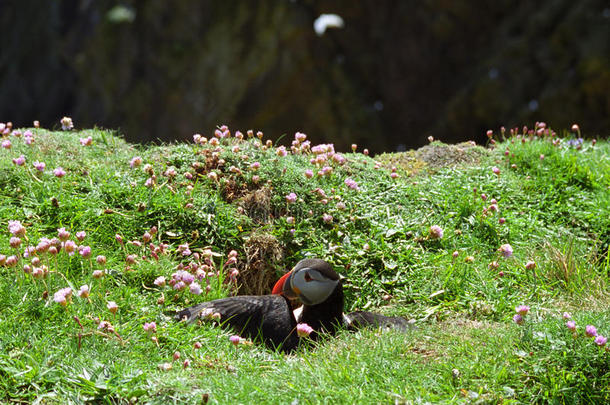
x=311, y=280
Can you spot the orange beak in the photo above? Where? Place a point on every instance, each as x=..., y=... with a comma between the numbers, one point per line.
x=282, y=287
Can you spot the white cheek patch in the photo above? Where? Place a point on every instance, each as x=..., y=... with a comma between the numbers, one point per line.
x=315, y=291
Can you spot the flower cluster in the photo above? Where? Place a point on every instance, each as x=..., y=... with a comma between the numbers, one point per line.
x=521, y=312
x=590, y=331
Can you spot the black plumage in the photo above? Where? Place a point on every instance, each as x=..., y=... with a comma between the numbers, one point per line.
x=266, y=318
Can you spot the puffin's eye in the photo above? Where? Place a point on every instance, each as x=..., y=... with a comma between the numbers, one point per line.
x=307, y=277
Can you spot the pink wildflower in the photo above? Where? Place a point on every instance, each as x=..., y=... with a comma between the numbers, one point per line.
x=98, y=274
x=40, y=166
x=70, y=247
x=15, y=242
x=84, y=251
x=522, y=310
x=59, y=172
x=235, y=339
x=159, y=281
x=304, y=330
x=16, y=228
x=112, y=307
x=292, y=197
x=135, y=161
x=571, y=325
x=62, y=234
x=506, y=250
x=351, y=184
x=19, y=161
x=600, y=340
x=590, y=330
x=67, y=124
x=436, y=232
x=83, y=292
x=195, y=288
x=150, y=327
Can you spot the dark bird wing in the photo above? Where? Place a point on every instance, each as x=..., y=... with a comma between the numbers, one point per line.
x=361, y=319
x=268, y=318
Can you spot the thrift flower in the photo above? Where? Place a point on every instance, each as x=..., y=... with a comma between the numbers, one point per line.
x=59, y=172
x=6, y=144
x=101, y=260
x=135, y=162
x=84, y=251
x=566, y=315
x=15, y=242
x=19, y=161
x=496, y=170
x=62, y=296
x=327, y=218
x=522, y=310
x=62, y=234
x=195, y=288
x=281, y=151
x=601, y=341
x=84, y=291
x=159, y=281
x=86, y=141
x=40, y=166
x=530, y=265
x=81, y=235
x=590, y=330
x=304, y=330
x=506, y=250
x=112, y=307
x=70, y=247
x=235, y=339
x=571, y=325
x=351, y=184
x=150, y=326
x=67, y=124
x=16, y=228
x=292, y=197
x=518, y=319
x=436, y=232
x=98, y=274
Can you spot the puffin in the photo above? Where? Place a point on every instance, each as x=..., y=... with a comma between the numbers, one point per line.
x=271, y=319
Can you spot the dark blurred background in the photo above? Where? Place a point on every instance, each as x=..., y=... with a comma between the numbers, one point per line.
x=397, y=72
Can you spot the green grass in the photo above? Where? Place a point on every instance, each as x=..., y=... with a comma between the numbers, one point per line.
x=459, y=289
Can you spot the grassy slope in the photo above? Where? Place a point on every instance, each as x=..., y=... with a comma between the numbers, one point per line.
x=466, y=346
